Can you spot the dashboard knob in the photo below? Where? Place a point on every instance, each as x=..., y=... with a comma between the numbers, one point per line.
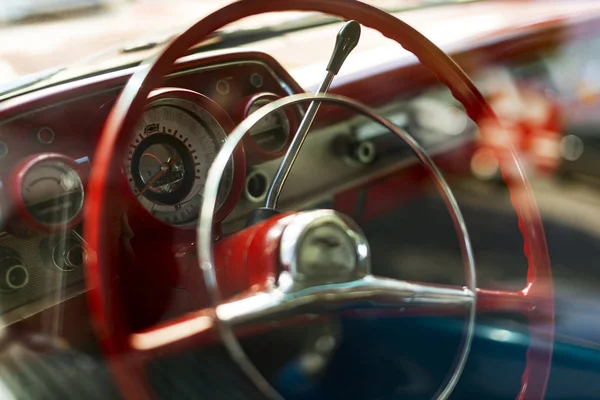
x=13, y=274
x=363, y=152
x=75, y=256
x=69, y=254
x=357, y=151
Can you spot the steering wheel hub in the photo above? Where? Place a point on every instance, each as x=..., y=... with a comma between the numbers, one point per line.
x=322, y=247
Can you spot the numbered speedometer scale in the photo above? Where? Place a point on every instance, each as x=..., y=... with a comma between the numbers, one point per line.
x=169, y=156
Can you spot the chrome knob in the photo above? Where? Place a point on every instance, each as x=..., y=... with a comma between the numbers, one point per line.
x=13, y=274
x=69, y=254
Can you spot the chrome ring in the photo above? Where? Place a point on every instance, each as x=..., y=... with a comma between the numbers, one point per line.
x=205, y=232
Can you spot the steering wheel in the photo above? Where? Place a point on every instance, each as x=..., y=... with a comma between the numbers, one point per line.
x=272, y=244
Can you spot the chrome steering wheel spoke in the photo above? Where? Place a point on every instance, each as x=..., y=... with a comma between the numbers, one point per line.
x=367, y=292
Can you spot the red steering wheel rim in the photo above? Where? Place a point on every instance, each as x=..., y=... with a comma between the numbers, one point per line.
x=108, y=317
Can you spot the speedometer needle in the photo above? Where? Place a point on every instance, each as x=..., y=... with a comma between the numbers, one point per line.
x=164, y=167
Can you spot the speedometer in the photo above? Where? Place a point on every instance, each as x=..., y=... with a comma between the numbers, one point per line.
x=171, y=151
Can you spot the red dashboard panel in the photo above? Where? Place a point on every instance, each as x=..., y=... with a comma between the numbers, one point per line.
x=76, y=112
x=69, y=118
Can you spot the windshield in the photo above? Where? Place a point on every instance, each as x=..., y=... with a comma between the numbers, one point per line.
x=37, y=35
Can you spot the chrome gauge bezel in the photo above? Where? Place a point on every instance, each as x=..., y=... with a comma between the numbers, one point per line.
x=287, y=127
x=195, y=135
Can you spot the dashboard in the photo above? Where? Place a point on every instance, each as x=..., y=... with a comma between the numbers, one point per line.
x=46, y=152
x=48, y=138
x=47, y=146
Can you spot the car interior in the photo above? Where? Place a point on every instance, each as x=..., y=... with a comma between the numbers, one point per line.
x=301, y=199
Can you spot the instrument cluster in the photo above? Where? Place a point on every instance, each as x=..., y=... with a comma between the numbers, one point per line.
x=177, y=140
x=46, y=156
x=171, y=151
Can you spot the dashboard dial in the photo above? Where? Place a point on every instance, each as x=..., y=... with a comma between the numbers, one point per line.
x=271, y=136
x=271, y=133
x=169, y=156
x=50, y=191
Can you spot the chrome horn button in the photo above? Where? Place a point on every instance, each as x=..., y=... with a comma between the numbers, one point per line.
x=322, y=247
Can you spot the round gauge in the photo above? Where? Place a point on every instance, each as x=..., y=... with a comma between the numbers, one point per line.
x=51, y=190
x=271, y=135
x=170, y=154
x=272, y=132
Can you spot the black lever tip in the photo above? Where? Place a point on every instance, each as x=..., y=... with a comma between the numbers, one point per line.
x=260, y=214
x=346, y=40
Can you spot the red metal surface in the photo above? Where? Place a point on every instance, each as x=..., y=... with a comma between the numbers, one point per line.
x=110, y=322
x=83, y=88
x=245, y=262
x=247, y=259
x=80, y=108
